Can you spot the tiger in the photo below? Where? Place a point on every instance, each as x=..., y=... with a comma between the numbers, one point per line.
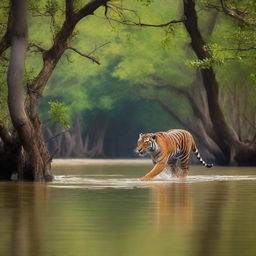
x=169, y=150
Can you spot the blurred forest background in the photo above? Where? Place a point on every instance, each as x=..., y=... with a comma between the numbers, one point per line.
x=148, y=79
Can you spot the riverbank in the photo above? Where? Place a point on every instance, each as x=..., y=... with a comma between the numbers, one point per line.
x=58, y=162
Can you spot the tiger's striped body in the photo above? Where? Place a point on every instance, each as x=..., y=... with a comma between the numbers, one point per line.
x=168, y=150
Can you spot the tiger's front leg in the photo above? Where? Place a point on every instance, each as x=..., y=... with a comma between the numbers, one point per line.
x=159, y=167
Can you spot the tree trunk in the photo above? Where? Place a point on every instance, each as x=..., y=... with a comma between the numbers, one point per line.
x=33, y=163
x=235, y=151
x=8, y=150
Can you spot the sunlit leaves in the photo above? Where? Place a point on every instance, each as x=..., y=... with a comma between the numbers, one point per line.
x=60, y=113
x=216, y=58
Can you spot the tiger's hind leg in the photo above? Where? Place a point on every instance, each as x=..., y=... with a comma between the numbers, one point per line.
x=184, y=164
x=175, y=170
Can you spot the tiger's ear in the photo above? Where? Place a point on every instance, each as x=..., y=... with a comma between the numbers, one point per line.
x=153, y=136
x=140, y=135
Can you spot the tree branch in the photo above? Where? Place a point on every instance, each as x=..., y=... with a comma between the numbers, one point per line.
x=133, y=23
x=235, y=13
x=89, y=8
x=197, y=111
x=56, y=135
x=39, y=48
x=167, y=109
x=88, y=56
x=69, y=8
x=182, y=91
x=98, y=47
x=93, y=59
x=156, y=25
x=238, y=49
x=53, y=55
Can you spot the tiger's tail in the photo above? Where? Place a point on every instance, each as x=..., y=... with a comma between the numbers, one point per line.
x=195, y=150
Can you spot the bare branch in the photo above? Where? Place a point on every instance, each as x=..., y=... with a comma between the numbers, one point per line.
x=140, y=24
x=158, y=25
x=237, y=14
x=98, y=47
x=232, y=12
x=171, y=113
x=90, y=53
x=238, y=49
x=39, y=48
x=56, y=135
x=248, y=121
x=89, y=8
x=36, y=12
x=182, y=91
x=93, y=59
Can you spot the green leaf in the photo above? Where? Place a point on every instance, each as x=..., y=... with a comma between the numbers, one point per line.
x=60, y=113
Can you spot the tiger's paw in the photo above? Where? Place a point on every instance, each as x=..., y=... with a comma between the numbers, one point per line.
x=145, y=178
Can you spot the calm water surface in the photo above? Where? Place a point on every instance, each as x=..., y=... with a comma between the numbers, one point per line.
x=103, y=210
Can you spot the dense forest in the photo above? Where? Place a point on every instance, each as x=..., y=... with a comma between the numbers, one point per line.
x=97, y=73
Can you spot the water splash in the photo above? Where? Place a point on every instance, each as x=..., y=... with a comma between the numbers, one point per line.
x=86, y=182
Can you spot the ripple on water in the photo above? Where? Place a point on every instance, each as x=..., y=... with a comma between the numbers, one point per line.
x=86, y=182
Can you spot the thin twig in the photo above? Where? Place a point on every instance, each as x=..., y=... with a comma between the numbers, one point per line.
x=133, y=23
x=98, y=47
x=249, y=122
x=93, y=59
x=39, y=48
x=238, y=49
x=58, y=134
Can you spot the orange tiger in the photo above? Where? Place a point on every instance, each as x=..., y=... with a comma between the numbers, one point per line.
x=167, y=149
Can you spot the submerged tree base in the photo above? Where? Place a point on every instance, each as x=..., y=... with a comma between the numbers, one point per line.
x=14, y=160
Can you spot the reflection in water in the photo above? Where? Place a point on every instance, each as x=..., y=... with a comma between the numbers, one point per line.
x=172, y=205
x=210, y=237
x=27, y=201
x=107, y=211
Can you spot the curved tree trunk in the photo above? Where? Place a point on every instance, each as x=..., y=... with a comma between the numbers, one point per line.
x=234, y=150
x=32, y=165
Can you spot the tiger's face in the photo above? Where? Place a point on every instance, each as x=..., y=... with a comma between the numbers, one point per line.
x=146, y=143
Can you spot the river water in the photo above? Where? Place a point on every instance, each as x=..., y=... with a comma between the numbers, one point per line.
x=99, y=208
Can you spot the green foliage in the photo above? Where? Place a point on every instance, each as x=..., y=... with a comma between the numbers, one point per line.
x=168, y=35
x=205, y=63
x=4, y=113
x=4, y=116
x=146, y=2
x=60, y=113
x=253, y=76
x=136, y=60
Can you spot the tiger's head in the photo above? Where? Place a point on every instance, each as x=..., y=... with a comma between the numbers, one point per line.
x=146, y=143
